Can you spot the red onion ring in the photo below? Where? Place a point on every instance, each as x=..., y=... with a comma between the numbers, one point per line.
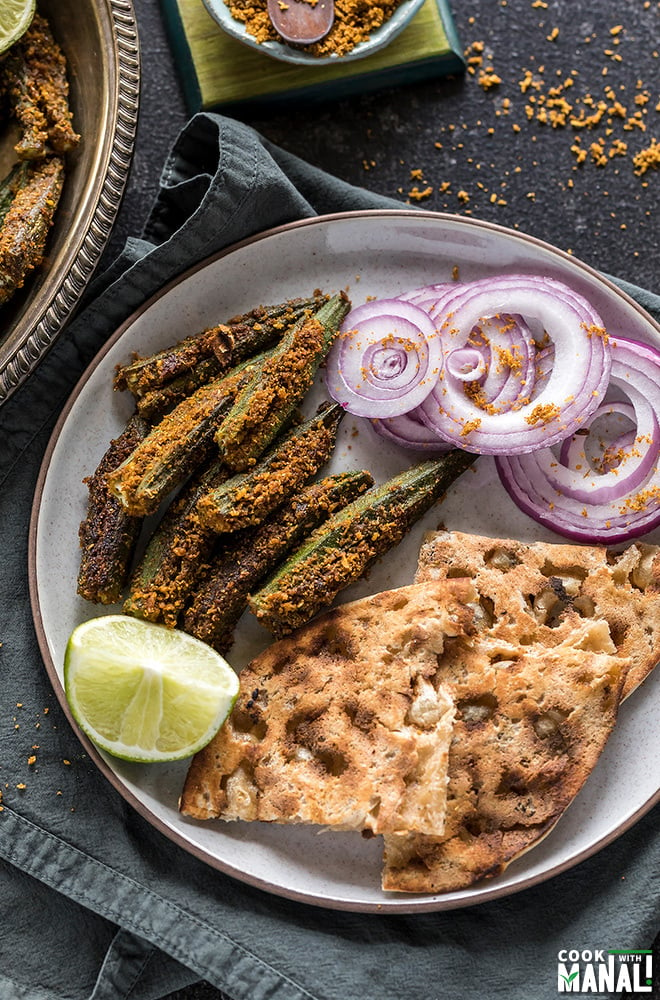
x=574, y=451
x=511, y=367
x=408, y=431
x=572, y=391
x=385, y=360
x=614, y=506
x=466, y=364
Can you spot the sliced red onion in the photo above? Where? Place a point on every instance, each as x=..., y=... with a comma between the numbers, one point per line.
x=620, y=503
x=426, y=296
x=408, y=431
x=466, y=364
x=578, y=451
x=575, y=385
x=545, y=359
x=385, y=360
x=511, y=367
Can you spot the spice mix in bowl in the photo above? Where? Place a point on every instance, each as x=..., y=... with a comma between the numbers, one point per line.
x=360, y=28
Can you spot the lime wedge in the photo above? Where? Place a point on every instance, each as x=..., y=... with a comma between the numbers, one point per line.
x=15, y=18
x=144, y=692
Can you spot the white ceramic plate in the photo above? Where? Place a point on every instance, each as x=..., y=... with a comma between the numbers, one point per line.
x=378, y=253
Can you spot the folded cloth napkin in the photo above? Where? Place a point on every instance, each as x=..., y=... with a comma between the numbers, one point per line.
x=98, y=904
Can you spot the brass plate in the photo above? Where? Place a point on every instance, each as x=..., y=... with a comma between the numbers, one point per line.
x=100, y=40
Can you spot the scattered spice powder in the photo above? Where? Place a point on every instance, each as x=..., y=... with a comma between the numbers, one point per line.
x=418, y=194
x=469, y=426
x=602, y=108
x=647, y=158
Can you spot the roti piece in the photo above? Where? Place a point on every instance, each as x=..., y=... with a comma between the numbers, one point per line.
x=341, y=723
x=546, y=593
x=530, y=724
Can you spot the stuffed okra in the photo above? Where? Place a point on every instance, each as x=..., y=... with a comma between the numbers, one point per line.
x=34, y=73
x=270, y=397
x=338, y=553
x=249, y=497
x=240, y=566
x=176, y=554
x=27, y=222
x=170, y=374
x=176, y=446
x=108, y=534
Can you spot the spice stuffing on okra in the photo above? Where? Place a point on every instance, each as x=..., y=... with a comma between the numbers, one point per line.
x=177, y=445
x=176, y=555
x=33, y=75
x=108, y=534
x=271, y=396
x=27, y=222
x=340, y=551
x=214, y=350
x=249, y=497
x=240, y=565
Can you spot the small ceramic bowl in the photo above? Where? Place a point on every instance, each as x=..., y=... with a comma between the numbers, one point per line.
x=381, y=37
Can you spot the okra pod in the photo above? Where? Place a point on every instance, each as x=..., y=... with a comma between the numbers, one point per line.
x=249, y=497
x=338, y=553
x=176, y=553
x=155, y=403
x=108, y=534
x=176, y=446
x=214, y=350
x=26, y=223
x=14, y=180
x=35, y=75
x=240, y=566
x=143, y=375
x=269, y=398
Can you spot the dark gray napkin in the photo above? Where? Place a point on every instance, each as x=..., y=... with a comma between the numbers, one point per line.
x=97, y=904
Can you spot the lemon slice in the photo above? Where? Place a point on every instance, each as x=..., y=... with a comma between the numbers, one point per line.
x=144, y=692
x=15, y=18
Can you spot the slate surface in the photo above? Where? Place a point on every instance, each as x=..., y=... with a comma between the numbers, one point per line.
x=480, y=142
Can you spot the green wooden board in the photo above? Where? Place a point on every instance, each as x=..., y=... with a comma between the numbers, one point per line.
x=219, y=73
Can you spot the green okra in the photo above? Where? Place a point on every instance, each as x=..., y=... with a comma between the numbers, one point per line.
x=176, y=553
x=34, y=72
x=242, y=564
x=339, y=553
x=177, y=445
x=14, y=180
x=108, y=535
x=247, y=498
x=269, y=398
x=211, y=352
x=27, y=222
x=155, y=403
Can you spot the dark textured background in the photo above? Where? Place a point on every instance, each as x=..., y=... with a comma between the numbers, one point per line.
x=515, y=171
x=477, y=149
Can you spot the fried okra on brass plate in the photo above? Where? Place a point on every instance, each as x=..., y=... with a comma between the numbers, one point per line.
x=33, y=79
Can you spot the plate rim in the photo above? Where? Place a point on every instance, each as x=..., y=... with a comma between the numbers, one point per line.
x=388, y=906
x=118, y=26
